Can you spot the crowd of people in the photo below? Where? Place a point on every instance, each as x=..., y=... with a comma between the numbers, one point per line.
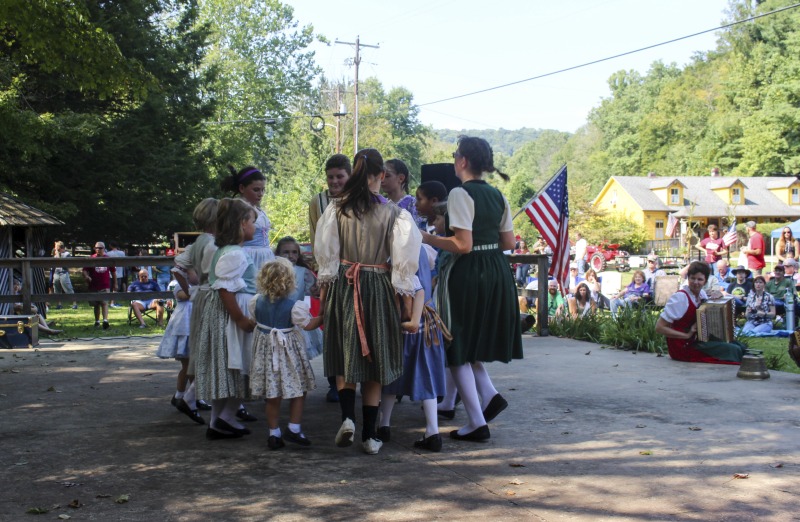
x=412, y=297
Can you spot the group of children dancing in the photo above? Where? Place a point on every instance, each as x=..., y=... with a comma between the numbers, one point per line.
x=243, y=327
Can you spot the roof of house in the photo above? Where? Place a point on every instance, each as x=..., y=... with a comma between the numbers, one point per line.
x=759, y=200
x=15, y=213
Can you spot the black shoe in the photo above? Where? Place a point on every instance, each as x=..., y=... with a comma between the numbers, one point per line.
x=297, y=438
x=458, y=399
x=275, y=443
x=332, y=395
x=184, y=408
x=432, y=443
x=97, y=324
x=174, y=401
x=224, y=426
x=496, y=405
x=203, y=405
x=106, y=326
x=244, y=415
x=447, y=414
x=212, y=434
x=384, y=434
x=479, y=435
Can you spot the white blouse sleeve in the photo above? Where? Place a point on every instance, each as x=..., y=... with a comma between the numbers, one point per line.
x=183, y=262
x=460, y=209
x=301, y=314
x=675, y=308
x=326, y=245
x=406, y=244
x=251, y=305
x=506, y=225
x=229, y=271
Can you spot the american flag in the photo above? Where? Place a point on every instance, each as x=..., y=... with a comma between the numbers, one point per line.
x=730, y=236
x=549, y=212
x=672, y=224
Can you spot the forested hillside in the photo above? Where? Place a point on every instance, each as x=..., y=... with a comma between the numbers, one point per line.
x=503, y=141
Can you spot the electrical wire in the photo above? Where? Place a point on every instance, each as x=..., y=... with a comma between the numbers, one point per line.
x=793, y=6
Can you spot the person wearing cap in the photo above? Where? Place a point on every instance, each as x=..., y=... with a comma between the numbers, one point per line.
x=98, y=279
x=740, y=288
x=574, y=277
x=555, y=301
x=778, y=286
x=755, y=249
x=678, y=323
x=713, y=247
x=651, y=270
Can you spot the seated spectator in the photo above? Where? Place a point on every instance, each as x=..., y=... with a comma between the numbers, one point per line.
x=145, y=284
x=574, y=278
x=43, y=326
x=678, y=323
x=723, y=273
x=652, y=270
x=791, y=271
x=712, y=287
x=581, y=304
x=555, y=301
x=740, y=288
x=760, y=308
x=778, y=287
x=631, y=294
x=594, y=286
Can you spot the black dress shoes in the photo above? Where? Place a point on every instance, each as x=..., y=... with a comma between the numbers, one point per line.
x=203, y=405
x=212, y=434
x=184, y=408
x=222, y=425
x=496, y=405
x=384, y=434
x=296, y=438
x=479, y=435
x=447, y=414
x=432, y=443
x=275, y=443
x=244, y=415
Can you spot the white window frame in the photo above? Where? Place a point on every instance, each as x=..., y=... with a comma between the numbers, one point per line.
x=796, y=196
x=736, y=196
x=674, y=196
x=660, y=230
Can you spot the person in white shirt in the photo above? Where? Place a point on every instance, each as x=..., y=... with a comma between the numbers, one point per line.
x=580, y=253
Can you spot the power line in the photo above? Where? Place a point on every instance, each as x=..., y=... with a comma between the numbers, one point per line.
x=610, y=57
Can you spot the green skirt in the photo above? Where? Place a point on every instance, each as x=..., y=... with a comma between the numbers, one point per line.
x=483, y=309
x=342, y=346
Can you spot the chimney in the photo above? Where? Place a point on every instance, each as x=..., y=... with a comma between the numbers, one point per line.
x=715, y=172
x=651, y=174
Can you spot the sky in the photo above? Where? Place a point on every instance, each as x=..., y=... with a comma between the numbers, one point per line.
x=443, y=48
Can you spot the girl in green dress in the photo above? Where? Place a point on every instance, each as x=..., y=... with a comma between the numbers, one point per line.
x=478, y=298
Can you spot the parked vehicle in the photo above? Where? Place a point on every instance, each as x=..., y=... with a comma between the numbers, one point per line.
x=603, y=254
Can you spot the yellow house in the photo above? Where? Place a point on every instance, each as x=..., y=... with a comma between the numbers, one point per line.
x=707, y=199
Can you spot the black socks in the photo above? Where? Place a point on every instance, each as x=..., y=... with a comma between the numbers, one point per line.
x=370, y=414
x=347, y=401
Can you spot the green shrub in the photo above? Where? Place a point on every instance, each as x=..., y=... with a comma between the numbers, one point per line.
x=634, y=328
x=582, y=329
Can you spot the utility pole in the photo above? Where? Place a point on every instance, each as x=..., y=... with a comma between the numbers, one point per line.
x=358, y=45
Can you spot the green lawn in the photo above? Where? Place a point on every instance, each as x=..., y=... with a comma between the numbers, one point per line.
x=80, y=323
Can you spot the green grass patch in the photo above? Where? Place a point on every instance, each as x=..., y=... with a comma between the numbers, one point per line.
x=80, y=323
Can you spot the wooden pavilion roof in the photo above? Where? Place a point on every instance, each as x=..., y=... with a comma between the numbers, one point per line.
x=15, y=213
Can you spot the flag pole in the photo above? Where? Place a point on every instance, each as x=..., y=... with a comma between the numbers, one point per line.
x=546, y=186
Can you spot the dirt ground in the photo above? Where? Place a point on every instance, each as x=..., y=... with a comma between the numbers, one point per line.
x=88, y=432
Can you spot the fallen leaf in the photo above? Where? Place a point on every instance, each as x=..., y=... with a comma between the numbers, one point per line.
x=64, y=516
x=645, y=452
x=641, y=425
x=122, y=498
x=587, y=353
x=37, y=511
x=75, y=504
x=515, y=465
x=510, y=493
x=70, y=484
x=615, y=366
x=565, y=433
x=51, y=388
x=776, y=465
x=741, y=475
x=14, y=371
x=567, y=411
x=102, y=495
x=342, y=482
x=695, y=428
x=516, y=482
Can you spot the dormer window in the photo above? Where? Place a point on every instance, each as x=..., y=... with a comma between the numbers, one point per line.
x=674, y=196
x=736, y=195
x=795, y=196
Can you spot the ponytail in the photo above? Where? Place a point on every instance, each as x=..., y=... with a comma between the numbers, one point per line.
x=356, y=198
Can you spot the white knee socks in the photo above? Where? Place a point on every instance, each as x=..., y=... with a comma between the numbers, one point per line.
x=387, y=405
x=483, y=383
x=431, y=417
x=465, y=382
